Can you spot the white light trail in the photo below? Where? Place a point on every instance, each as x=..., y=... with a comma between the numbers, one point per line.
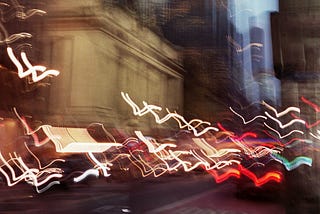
x=180, y=119
x=280, y=114
x=31, y=69
x=287, y=124
x=286, y=135
x=151, y=147
x=248, y=121
x=94, y=172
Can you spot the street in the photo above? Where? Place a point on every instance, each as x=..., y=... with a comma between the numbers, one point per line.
x=184, y=194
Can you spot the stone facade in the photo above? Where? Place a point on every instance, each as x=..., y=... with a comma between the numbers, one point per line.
x=101, y=50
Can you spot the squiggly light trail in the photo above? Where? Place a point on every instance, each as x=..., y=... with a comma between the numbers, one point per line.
x=313, y=105
x=287, y=124
x=280, y=114
x=30, y=175
x=240, y=49
x=292, y=164
x=181, y=120
x=87, y=173
x=269, y=176
x=308, y=126
x=163, y=155
x=248, y=121
x=31, y=69
x=286, y=135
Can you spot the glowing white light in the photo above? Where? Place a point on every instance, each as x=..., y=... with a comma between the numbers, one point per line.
x=93, y=172
x=249, y=121
x=210, y=150
x=287, y=124
x=75, y=140
x=151, y=147
x=280, y=114
x=31, y=69
x=180, y=119
x=286, y=135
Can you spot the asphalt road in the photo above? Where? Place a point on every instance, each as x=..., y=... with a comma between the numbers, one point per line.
x=194, y=194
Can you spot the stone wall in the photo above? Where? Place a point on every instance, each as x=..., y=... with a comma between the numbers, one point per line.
x=101, y=51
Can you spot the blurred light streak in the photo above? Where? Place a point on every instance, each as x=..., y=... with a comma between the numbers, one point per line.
x=180, y=119
x=29, y=13
x=226, y=175
x=146, y=172
x=286, y=135
x=187, y=165
x=294, y=163
x=30, y=175
x=151, y=147
x=38, y=161
x=210, y=150
x=248, y=121
x=316, y=136
x=287, y=124
x=269, y=176
x=313, y=105
x=87, y=173
x=14, y=37
x=257, y=151
x=217, y=164
x=19, y=11
x=31, y=69
x=308, y=126
x=294, y=141
x=232, y=135
x=102, y=166
x=75, y=140
x=47, y=186
x=240, y=49
x=280, y=114
x=31, y=132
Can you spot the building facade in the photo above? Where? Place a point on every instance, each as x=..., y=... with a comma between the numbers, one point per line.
x=101, y=51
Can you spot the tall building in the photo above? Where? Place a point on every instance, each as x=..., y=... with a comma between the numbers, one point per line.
x=296, y=36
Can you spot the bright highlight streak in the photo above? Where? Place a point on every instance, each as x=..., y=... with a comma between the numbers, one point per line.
x=287, y=124
x=210, y=150
x=31, y=69
x=269, y=176
x=240, y=49
x=93, y=172
x=316, y=136
x=150, y=146
x=75, y=140
x=286, y=135
x=248, y=121
x=180, y=119
x=103, y=167
x=14, y=37
x=292, y=164
x=280, y=114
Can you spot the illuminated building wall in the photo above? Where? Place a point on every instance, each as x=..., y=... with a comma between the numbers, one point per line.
x=101, y=51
